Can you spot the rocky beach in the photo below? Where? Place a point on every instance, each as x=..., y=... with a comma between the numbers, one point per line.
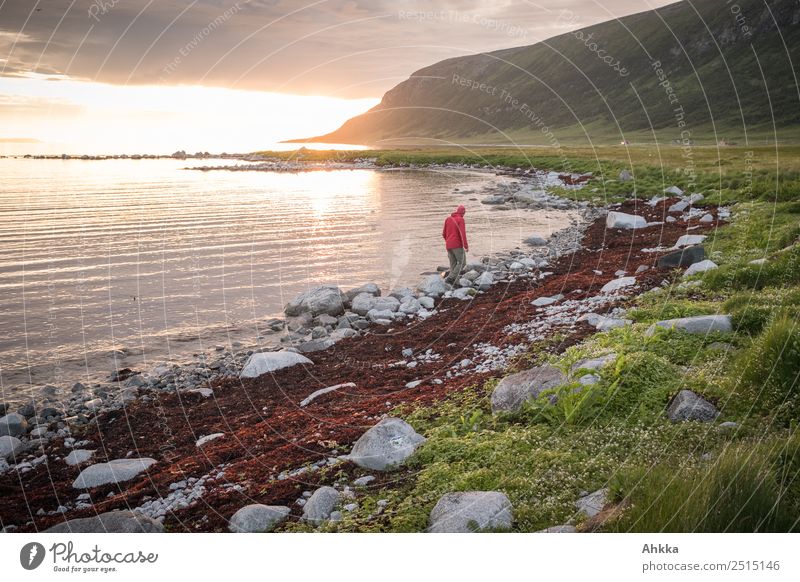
x=250, y=439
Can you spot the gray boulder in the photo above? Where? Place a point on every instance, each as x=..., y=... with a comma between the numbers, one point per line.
x=432, y=285
x=700, y=267
x=320, y=505
x=386, y=445
x=117, y=471
x=592, y=504
x=627, y=221
x=689, y=406
x=682, y=258
x=535, y=241
x=698, y=324
x=410, y=306
x=13, y=425
x=625, y=176
x=369, y=288
x=383, y=316
x=257, y=518
x=267, y=362
x=10, y=447
x=471, y=511
x=688, y=240
x=362, y=303
x=616, y=284
x=78, y=456
x=514, y=390
x=110, y=522
x=426, y=302
x=594, y=363
x=484, y=281
x=323, y=299
x=315, y=345
x=401, y=293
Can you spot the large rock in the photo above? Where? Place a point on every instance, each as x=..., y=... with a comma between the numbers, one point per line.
x=13, y=425
x=369, y=289
x=484, y=281
x=617, y=284
x=410, y=306
x=320, y=505
x=432, y=285
x=682, y=258
x=117, y=471
x=689, y=406
x=697, y=324
x=514, y=390
x=257, y=518
x=362, y=303
x=10, y=447
x=700, y=267
x=110, y=522
x=622, y=220
x=323, y=299
x=674, y=190
x=590, y=505
x=688, y=240
x=471, y=511
x=386, y=445
x=381, y=316
x=315, y=345
x=266, y=362
x=78, y=456
x=625, y=176
x=535, y=241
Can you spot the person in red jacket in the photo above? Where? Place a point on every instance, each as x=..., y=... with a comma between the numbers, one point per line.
x=455, y=241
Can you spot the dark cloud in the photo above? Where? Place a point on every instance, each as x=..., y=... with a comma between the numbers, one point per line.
x=349, y=48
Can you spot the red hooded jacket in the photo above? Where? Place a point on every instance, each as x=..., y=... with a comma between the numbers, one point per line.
x=455, y=231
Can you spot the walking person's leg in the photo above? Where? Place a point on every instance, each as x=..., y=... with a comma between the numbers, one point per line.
x=461, y=261
x=451, y=255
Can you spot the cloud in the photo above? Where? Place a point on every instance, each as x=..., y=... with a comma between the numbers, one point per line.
x=346, y=48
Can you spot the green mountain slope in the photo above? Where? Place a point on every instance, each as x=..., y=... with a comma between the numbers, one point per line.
x=700, y=67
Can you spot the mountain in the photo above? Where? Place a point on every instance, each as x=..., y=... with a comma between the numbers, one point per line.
x=715, y=68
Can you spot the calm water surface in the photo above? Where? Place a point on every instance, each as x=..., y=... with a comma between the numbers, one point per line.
x=162, y=262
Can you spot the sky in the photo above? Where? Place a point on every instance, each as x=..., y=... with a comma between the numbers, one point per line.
x=146, y=76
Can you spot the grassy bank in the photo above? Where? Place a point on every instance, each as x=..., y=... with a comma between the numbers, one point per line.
x=724, y=174
x=743, y=475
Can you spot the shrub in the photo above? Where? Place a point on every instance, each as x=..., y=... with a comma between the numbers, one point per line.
x=640, y=384
x=768, y=370
x=781, y=270
x=743, y=490
x=752, y=310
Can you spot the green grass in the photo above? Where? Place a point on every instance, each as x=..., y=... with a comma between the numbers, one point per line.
x=749, y=487
x=769, y=370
